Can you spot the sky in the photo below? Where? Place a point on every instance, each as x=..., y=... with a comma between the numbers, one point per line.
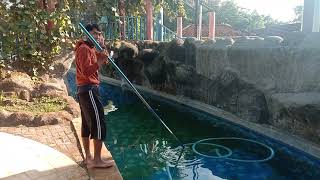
x=282, y=10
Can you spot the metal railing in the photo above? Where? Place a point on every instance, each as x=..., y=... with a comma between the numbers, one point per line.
x=163, y=33
x=124, y=27
x=133, y=28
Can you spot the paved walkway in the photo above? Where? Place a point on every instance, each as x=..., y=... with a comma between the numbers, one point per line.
x=60, y=137
x=22, y=158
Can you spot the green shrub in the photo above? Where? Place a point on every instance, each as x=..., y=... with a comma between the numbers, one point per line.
x=27, y=43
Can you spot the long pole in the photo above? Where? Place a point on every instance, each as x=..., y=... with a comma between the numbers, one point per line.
x=131, y=85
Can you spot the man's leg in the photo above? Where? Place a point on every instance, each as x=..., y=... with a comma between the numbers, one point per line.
x=98, y=131
x=85, y=129
x=97, y=161
x=86, y=146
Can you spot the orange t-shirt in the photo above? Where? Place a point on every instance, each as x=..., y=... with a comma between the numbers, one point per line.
x=86, y=64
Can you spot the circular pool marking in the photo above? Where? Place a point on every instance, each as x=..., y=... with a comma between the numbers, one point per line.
x=228, y=157
x=197, y=160
x=228, y=154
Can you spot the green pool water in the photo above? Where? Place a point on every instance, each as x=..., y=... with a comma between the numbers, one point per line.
x=144, y=149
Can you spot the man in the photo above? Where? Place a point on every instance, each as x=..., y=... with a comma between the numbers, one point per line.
x=88, y=61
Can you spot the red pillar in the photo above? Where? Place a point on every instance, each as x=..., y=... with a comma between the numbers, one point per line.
x=179, y=26
x=149, y=10
x=122, y=13
x=48, y=5
x=212, y=25
x=51, y=8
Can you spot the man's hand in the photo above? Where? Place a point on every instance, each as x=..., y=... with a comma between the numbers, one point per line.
x=101, y=41
x=102, y=57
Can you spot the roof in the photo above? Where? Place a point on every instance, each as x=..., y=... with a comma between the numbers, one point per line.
x=278, y=29
x=222, y=30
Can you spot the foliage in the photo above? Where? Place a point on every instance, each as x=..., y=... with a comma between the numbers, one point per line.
x=132, y=7
x=228, y=12
x=36, y=106
x=298, y=10
x=27, y=42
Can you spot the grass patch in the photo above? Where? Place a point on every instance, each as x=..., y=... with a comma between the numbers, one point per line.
x=35, y=106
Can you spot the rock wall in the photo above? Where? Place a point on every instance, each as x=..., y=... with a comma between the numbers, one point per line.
x=271, y=80
x=18, y=86
x=267, y=63
x=283, y=74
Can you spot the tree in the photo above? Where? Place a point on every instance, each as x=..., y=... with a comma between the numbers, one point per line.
x=298, y=10
x=180, y=8
x=228, y=12
x=27, y=43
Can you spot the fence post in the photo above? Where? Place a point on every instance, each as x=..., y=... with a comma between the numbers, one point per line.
x=310, y=20
x=149, y=10
x=196, y=17
x=50, y=7
x=161, y=22
x=199, y=23
x=212, y=25
x=179, y=26
x=122, y=13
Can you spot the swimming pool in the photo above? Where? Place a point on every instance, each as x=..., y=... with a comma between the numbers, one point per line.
x=143, y=149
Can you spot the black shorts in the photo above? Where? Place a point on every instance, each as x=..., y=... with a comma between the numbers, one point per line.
x=92, y=114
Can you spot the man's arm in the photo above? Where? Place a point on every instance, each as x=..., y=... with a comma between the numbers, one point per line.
x=102, y=56
x=87, y=66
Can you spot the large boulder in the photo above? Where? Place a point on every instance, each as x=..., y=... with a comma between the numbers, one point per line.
x=62, y=64
x=19, y=89
x=25, y=95
x=239, y=97
x=190, y=51
x=147, y=44
x=311, y=41
x=147, y=56
x=175, y=50
x=130, y=63
x=297, y=113
x=16, y=82
x=19, y=118
x=293, y=39
x=52, y=88
x=51, y=118
x=4, y=116
x=72, y=107
x=154, y=71
x=126, y=50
